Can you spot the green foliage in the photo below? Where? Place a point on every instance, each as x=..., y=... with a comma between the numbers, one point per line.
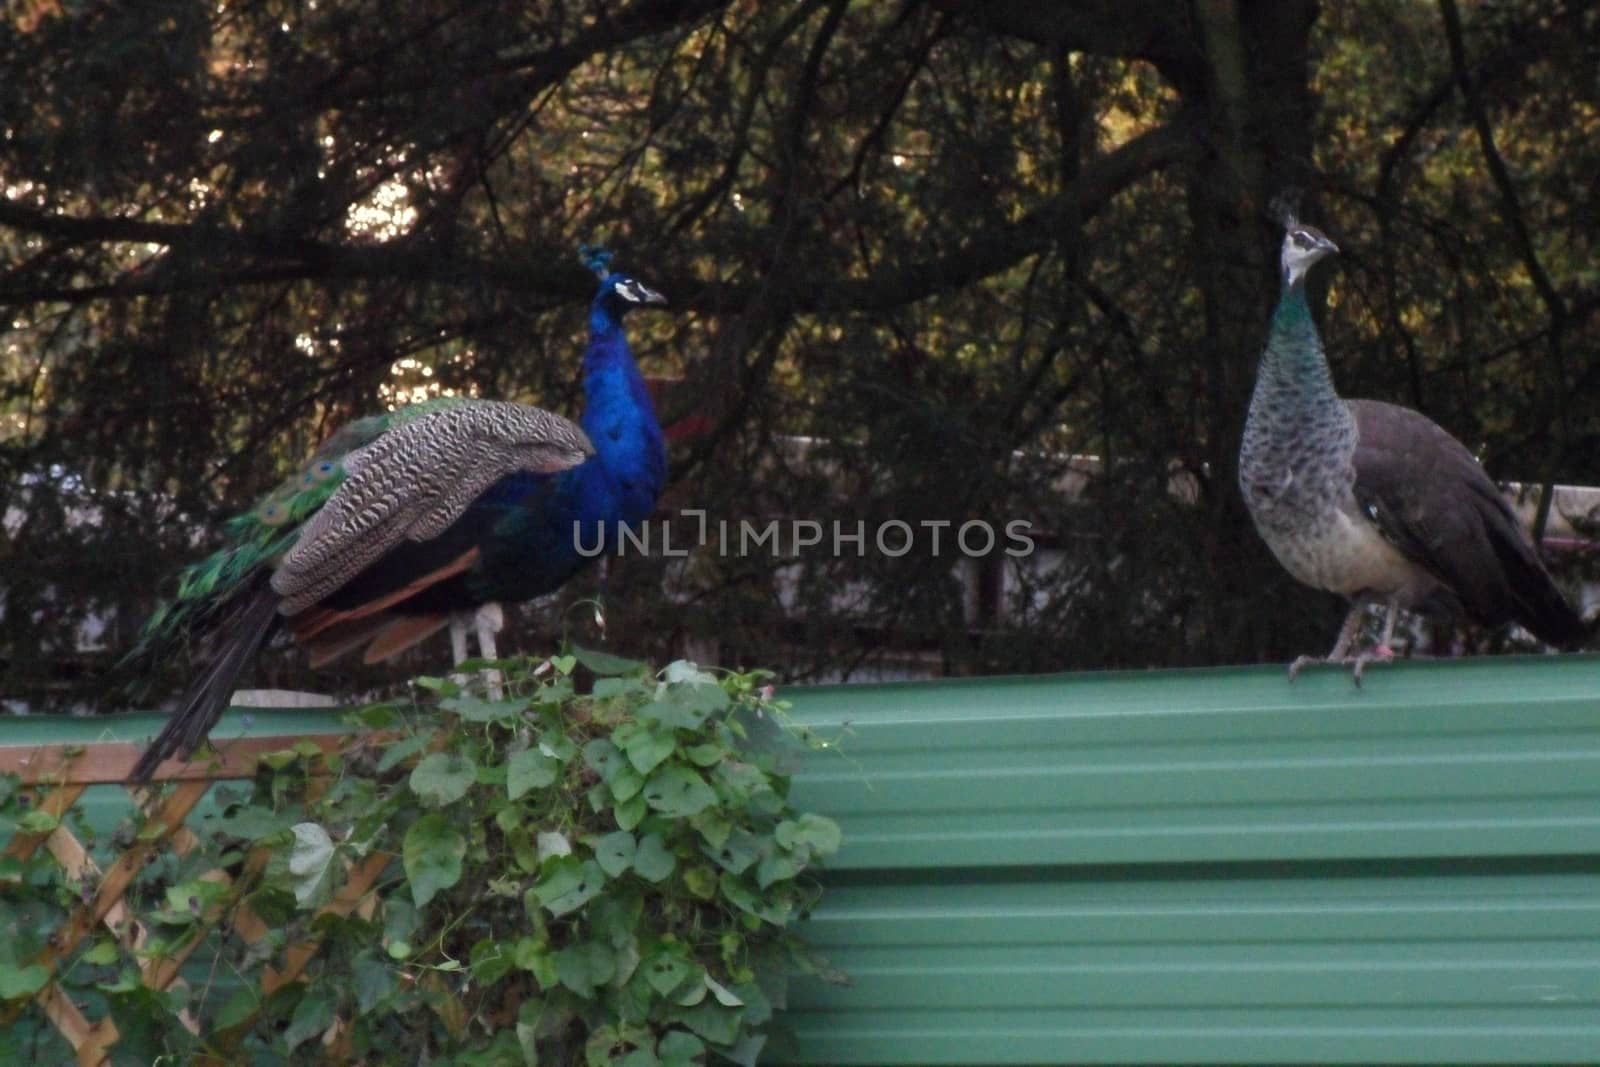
x=609, y=878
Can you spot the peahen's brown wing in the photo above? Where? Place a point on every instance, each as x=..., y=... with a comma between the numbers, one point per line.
x=1433, y=501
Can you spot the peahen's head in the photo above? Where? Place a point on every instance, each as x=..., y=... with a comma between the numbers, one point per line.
x=618, y=293
x=1303, y=246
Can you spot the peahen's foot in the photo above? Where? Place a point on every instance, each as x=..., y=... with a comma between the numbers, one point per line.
x=1357, y=663
x=1302, y=662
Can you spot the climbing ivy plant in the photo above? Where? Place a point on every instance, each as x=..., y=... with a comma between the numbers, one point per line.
x=609, y=877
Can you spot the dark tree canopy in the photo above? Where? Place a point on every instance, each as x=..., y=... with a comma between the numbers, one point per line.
x=926, y=258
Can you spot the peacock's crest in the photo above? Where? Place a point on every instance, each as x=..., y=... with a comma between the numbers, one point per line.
x=596, y=258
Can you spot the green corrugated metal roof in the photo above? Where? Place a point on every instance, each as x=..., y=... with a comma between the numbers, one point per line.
x=1208, y=866
x=1213, y=867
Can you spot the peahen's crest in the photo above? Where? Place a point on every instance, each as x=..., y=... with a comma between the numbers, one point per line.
x=1285, y=207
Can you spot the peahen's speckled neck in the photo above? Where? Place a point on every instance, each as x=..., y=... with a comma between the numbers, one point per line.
x=1294, y=379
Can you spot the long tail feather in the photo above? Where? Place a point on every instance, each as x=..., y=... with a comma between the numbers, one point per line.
x=1533, y=597
x=241, y=634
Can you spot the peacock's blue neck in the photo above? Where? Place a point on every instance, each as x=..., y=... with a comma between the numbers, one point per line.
x=629, y=467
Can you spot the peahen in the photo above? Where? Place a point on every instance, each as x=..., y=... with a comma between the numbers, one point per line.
x=1375, y=501
x=402, y=522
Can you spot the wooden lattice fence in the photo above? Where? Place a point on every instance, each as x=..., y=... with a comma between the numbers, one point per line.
x=55, y=778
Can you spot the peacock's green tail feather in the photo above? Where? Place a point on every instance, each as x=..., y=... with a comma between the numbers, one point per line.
x=261, y=535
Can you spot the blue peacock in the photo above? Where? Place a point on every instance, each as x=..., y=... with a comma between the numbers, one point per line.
x=404, y=523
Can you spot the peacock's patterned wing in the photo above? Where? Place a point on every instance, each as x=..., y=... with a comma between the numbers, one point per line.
x=258, y=537
x=412, y=482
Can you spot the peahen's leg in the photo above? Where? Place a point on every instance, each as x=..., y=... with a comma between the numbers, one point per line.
x=1341, y=647
x=1381, y=653
x=1385, y=651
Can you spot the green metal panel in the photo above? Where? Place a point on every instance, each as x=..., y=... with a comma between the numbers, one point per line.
x=1190, y=866
x=1212, y=867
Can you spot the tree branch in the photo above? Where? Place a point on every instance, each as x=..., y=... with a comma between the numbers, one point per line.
x=1511, y=213
x=1154, y=30
x=1099, y=182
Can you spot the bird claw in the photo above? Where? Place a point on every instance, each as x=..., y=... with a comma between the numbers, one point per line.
x=1356, y=663
x=1301, y=663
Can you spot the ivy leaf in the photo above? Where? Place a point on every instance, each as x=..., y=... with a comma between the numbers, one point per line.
x=237, y=1009
x=437, y=685
x=745, y=1051
x=127, y=981
x=491, y=961
x=625, y=784
x=442, y=778
x=652, y=861
x=311, y=865
x=698, y=698
x=564, y=664
x=742, y=780
x=529, y=769
x=374, y=981
x=738, y=851
x=716, y=1024
x=582, y=967
x=103, y=953
x=38, y=821
x=604, y=663
x=724, y=995
x=553, y=843
x=665, y=971
x=399, y=919
x=476, y=709
x=705, y=755
x=311, y=1017
x=630, y=812
x=614, y=852
x=568, y=884
x=402, y=750
x=701, y=881
x=741, y=896
x=714, y=827
x=678, y=791
x=817, y=833
x=533, y=957
x=252, y=822
x=557, y=746
x=681, y=670
x=639, y=1057
x=16, y=982
x=606, y=688
x=680, y=1049
x=432, y=853
x=604, y=758
x=647, y=748
x=776, y=867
